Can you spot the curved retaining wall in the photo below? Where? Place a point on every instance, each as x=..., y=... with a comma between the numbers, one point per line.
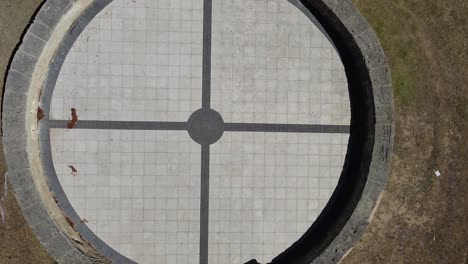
x=37, y=63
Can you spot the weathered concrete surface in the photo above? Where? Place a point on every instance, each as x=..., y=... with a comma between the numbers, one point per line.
x=29, y=68
x=18, y=244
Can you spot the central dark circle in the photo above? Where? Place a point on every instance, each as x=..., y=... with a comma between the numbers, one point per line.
x=205, y=126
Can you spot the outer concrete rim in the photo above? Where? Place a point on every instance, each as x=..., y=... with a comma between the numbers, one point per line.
x=36, y=201
x=372, y=125
x=343, y=12
x=56, y=231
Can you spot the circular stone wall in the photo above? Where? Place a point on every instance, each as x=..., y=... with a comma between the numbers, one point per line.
x=224, y=132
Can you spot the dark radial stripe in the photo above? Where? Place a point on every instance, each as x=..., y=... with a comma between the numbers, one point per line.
x=204, y=203
x=206, y=71
x=291, y=128
x=123, y=125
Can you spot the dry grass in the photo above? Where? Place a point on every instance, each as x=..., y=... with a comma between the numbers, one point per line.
x=422, y=218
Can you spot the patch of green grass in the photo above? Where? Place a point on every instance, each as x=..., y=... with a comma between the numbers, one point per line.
x=462, y=108
x=403, y=87
x=411, y=32
x=397, y=37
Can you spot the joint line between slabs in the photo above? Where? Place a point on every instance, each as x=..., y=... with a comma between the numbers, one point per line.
x=204, y=203
x=206, y=70
x=118, y=125
x=286, y=128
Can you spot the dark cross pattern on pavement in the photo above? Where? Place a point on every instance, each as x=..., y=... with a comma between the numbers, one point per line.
x=205, y=126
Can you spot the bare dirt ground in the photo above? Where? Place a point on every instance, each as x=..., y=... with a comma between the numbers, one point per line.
x=422, y=218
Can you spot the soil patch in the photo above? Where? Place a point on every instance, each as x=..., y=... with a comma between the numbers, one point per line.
x=423, y=218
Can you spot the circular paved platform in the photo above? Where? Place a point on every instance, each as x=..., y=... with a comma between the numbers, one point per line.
x=201, y=132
